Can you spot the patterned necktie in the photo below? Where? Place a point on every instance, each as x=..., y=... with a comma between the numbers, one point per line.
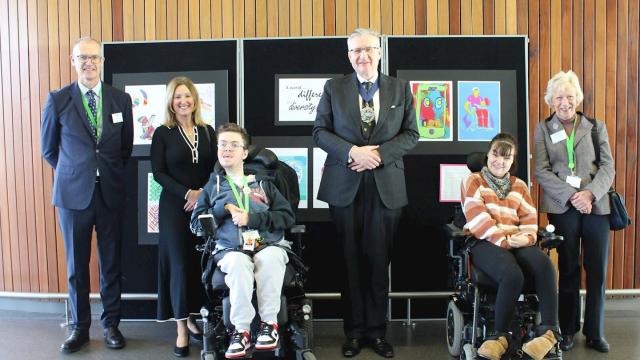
x=91, y=101
x=367, y=86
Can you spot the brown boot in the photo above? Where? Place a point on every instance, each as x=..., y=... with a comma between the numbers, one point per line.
x=540, y=346
x=493, y=349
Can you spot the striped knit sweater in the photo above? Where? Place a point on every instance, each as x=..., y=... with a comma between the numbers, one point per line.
x=492, y=219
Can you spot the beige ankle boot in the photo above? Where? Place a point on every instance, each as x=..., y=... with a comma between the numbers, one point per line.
x=493, y=349
x=540, y=346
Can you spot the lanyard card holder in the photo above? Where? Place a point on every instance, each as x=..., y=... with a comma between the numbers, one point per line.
x=250, y=240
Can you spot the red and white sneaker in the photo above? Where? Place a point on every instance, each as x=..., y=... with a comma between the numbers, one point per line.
x=267, y=336
x=238, y=345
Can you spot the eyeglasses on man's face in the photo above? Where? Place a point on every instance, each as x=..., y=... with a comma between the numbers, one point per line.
x=233, y=145
x=366, y=50
x=84, y=58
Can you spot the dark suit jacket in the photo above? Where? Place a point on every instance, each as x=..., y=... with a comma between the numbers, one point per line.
x=338, y=127
x=68, y=145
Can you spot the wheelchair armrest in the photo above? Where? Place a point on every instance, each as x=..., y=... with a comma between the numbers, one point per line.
x=298, y=229
x=549, y=240
x=452, y=231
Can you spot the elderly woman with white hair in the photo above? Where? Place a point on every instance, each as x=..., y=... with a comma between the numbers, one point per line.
x=575, y=181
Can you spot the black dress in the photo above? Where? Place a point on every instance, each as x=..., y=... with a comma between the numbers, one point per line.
x=179, y=289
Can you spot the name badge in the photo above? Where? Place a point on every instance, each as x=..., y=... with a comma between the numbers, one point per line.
x=574, y=181
x=250, y=239
x=116, y=117
x=558, y=136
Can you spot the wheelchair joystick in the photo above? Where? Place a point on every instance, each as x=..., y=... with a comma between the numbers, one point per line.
x=208, y=224
x=550, y=228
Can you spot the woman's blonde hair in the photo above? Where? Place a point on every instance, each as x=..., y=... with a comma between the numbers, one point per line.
x=560, y=80
x=170, y=116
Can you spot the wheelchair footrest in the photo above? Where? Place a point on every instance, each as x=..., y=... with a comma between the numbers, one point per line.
x=253, y=353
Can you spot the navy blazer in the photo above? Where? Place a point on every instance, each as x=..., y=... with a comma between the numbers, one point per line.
x=338, y=127
x=69, y=146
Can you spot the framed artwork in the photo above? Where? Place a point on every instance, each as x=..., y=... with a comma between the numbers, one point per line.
x=434, y=104
x=297, y=97
x=298, y=159
x=148, y=97
x=451, y=176
x=148, y=205
x=319, y=157
x=478, y=110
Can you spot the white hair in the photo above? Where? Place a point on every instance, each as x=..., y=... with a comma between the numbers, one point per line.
x=362, y=32
x=560, y=80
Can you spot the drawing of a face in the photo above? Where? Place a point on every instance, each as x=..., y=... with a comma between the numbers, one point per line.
x=436, y=99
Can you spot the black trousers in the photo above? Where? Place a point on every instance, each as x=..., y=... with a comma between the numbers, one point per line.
x=593, y=232
x=77, y=228
x=508, y=268
x=365, y=230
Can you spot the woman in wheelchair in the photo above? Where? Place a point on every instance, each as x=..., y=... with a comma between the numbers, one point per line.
x=500, y=214
x=251, y=217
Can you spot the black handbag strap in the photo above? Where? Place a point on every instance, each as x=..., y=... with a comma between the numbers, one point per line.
x=595, y=139
x=596, y=142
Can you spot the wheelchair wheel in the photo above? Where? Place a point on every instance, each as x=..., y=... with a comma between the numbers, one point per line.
x=455, y=323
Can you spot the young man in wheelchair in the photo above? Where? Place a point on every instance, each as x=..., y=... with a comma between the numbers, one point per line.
x=501, y=216
x=251, y=218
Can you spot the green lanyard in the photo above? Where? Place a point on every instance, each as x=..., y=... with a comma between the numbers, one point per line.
x=570, y=154
x=237, y=195
x=94, y=120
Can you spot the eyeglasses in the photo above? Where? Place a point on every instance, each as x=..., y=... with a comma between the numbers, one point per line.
x=367, y=50
x=94, y=58
x=234, y=145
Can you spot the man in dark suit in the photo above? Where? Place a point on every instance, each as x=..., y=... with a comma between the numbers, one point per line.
x=365, y=122
x=87, y=137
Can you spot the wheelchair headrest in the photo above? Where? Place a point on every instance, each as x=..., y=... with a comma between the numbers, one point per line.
x=263, y=156
x=475, y=161
x=257, y=155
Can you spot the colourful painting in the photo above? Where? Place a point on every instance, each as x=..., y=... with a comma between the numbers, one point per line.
x=153, y=204
x=298, y=159
x=207, y=94
x=319, y=157
x=433, y=109
x=478, y=110
x=148, y=110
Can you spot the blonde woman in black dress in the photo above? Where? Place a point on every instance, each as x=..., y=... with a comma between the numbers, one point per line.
x=183, y=152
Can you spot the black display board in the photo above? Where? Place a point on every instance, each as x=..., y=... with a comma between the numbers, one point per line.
x=154, y=57
x=140, y=262
x=266, y=58
x=266, y=61
x=419, y=261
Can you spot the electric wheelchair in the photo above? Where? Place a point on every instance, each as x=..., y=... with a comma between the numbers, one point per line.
x=296, y=314
x=470, y=311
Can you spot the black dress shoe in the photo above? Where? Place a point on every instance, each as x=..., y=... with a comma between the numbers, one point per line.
x=567, y=342
x=351, y=347
x=382, y=347
x=75, y=341
x=181, y=351
x=598, y=344
x=113, y=338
